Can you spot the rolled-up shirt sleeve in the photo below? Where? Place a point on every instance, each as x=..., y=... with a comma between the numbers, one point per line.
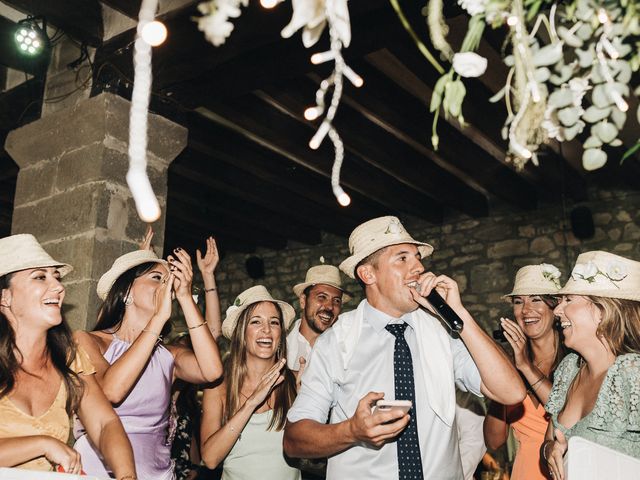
x=316, y=396
x=466, y=373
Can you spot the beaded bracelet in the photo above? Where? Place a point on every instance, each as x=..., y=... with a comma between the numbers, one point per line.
x=544, y=449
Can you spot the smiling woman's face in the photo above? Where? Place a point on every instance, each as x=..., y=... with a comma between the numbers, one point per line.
x=34, y=297
x=533, y=315
x=263, y=331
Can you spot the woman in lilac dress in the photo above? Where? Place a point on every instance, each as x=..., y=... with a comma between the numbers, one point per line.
x=133, y=367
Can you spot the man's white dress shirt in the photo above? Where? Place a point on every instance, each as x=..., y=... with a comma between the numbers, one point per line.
x=328, y=387
x=297, y=346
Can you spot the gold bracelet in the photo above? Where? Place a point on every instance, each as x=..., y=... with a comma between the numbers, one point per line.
x=536, y=383
x=128, y=477
x=197, y=326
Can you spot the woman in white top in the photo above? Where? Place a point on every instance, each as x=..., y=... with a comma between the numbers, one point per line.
x=244, y=416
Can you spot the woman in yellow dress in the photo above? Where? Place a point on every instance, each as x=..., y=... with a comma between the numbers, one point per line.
x=38, y=354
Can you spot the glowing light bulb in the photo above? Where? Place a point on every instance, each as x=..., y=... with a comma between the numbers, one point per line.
x=269, y=3
x=143, y=196
x=154, y=33
x=512, y=21
x=312, y=113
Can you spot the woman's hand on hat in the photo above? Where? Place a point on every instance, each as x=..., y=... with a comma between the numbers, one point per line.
x=180, y=266
x=271, y=379
x=518, y=341
x=207, y=264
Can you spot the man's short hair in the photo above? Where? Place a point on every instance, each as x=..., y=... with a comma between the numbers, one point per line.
x=372, y=260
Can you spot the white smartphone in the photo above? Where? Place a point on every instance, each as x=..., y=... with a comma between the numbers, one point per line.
x=389, y=405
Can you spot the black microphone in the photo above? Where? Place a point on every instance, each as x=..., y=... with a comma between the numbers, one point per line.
x=451, y=318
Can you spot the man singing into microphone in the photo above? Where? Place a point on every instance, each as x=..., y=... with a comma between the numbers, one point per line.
x=391, y=348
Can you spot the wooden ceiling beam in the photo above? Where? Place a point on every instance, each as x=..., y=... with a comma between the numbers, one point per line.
x=208, y=201
x=263, y=124
x=214, y=224
x=364, y=137
x=228, y=146
x=245, y=188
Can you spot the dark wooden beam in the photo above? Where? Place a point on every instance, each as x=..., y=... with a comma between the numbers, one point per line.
x=208, y=201
x=213, y=140
x=181, y=234
x=364, y=137
x=236, y=184
x=276, y=130
x=80, y=19
x=211, y=223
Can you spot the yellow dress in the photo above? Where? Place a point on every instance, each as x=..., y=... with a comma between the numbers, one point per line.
x=53, y=423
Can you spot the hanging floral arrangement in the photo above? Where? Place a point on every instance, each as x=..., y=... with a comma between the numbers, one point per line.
x=571, y=65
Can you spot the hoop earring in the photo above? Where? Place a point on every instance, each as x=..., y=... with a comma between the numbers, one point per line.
x=128, y=300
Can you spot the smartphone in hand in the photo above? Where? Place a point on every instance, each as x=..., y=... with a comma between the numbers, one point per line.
x=389, y=405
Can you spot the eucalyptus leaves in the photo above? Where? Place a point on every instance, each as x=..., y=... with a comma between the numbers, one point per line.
x=570, y=78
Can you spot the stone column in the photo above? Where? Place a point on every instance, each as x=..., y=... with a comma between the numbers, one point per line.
x=71, y=191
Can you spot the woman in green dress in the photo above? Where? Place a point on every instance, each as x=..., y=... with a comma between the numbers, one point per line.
x=596, y=390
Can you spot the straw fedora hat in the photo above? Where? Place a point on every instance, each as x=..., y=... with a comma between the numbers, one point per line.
x=322, y=275
x=121, y=265
x=603, y=274
x=20, y=252
x=250, y=296
x=375, y=234
x=543, y=279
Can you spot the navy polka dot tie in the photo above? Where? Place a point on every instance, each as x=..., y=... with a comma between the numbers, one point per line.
x=409, y=458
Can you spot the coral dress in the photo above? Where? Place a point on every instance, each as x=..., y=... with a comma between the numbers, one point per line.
x=529, y=430
x=53, y=423
x=145, y=416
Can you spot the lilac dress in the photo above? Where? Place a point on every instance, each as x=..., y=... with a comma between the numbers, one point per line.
x=145, y=416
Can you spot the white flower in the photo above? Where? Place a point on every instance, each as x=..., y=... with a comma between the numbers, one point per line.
x=214, y=22
x=550, y=270
x=473, y=7
x=616, y=271
x=394, y=227
x=469, y=64
x=232, y=309
x=585, y=271
x=311, y=16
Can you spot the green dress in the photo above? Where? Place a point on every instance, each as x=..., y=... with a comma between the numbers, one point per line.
x=615, y=419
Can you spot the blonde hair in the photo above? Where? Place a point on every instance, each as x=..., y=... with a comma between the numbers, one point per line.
x=620, y=325
x=235, y=372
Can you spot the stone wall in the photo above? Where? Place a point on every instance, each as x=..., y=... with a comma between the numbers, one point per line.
x=481, y=254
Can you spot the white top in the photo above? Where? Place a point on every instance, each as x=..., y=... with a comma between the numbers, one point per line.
x=327, y=386
x=258, y=453
x=297, y=346
x=470, y=439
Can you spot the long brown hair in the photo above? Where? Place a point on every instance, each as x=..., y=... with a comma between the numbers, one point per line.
x=620, y=325
x=61, y=349
x=235, y=372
